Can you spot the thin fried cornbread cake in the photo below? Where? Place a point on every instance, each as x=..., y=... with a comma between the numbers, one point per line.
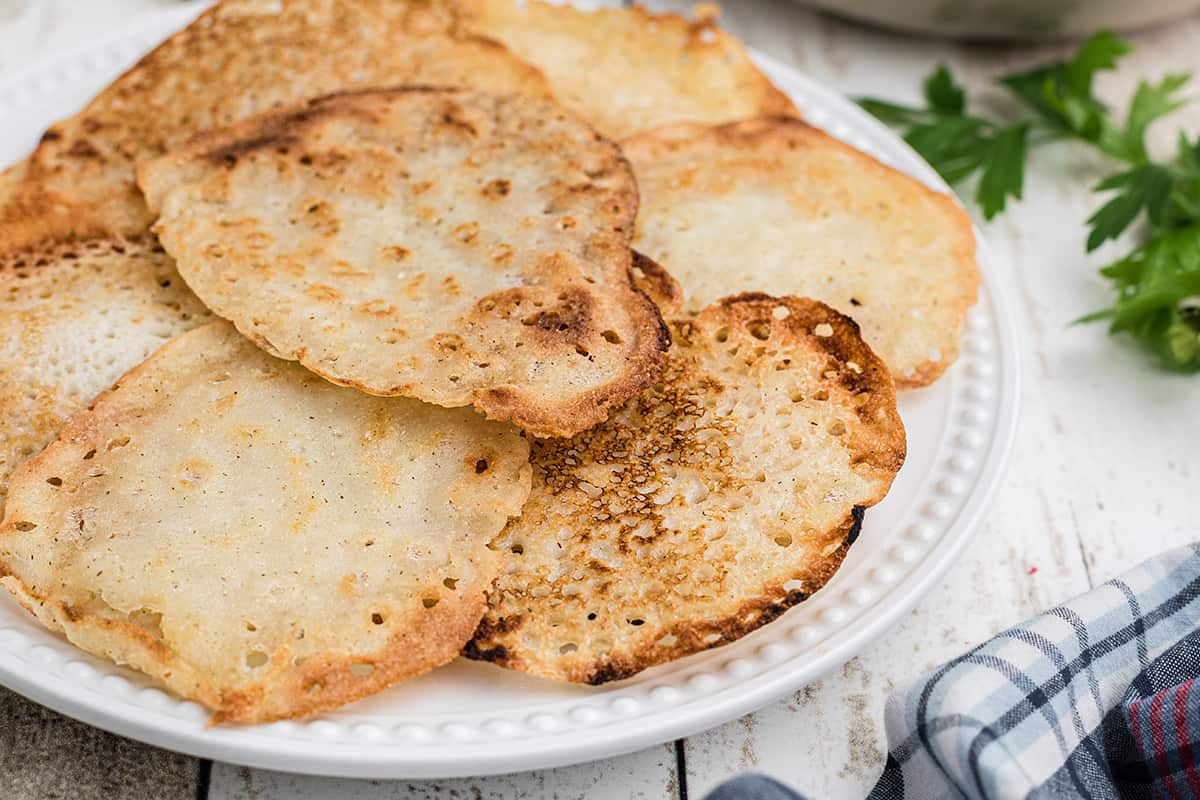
x=86, y=293
x=256, y=538
x=828, y=222
x=73, y=319
x=458, y=247
x=627, y=69
x=707, y=506
x=240, y=58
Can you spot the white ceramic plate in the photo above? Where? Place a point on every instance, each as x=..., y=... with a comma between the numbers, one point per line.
x=471, y=718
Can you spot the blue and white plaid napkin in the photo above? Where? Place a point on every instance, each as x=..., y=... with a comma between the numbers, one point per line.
x=1092, y=699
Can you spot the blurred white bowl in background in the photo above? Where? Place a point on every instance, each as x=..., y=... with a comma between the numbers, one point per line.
x=1010, y=19
x=11, y=10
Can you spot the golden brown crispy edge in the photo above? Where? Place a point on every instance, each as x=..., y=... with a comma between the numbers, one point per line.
x=431, y=638
x=845, y=344
x=644, y=357
x=33, y=215
x=427, y=640
x=692, y=636
x=703, y=29
x=653, y=280
x=788, y=132
x=703, y=38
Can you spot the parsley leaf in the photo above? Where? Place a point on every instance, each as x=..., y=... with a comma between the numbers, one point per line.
x=1147, y=188
x=1158, y=297
x=1150, y=102
x=1100, y=52
x=958, y=145
x=1061, y=94
x=943, y=94
x=1003, y=169
x=1158, y=284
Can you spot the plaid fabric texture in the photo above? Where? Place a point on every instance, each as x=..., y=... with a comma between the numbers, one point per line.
x=1093, y=699
x=1156, y=737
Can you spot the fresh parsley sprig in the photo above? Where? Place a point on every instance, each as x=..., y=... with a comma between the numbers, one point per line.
x=1158, y=284
x=958, y=144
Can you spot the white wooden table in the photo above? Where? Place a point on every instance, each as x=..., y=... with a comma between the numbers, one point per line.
x=1104, y=473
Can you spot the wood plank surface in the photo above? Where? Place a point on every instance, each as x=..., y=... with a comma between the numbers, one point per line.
x=46, y=756
x=648, y=775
